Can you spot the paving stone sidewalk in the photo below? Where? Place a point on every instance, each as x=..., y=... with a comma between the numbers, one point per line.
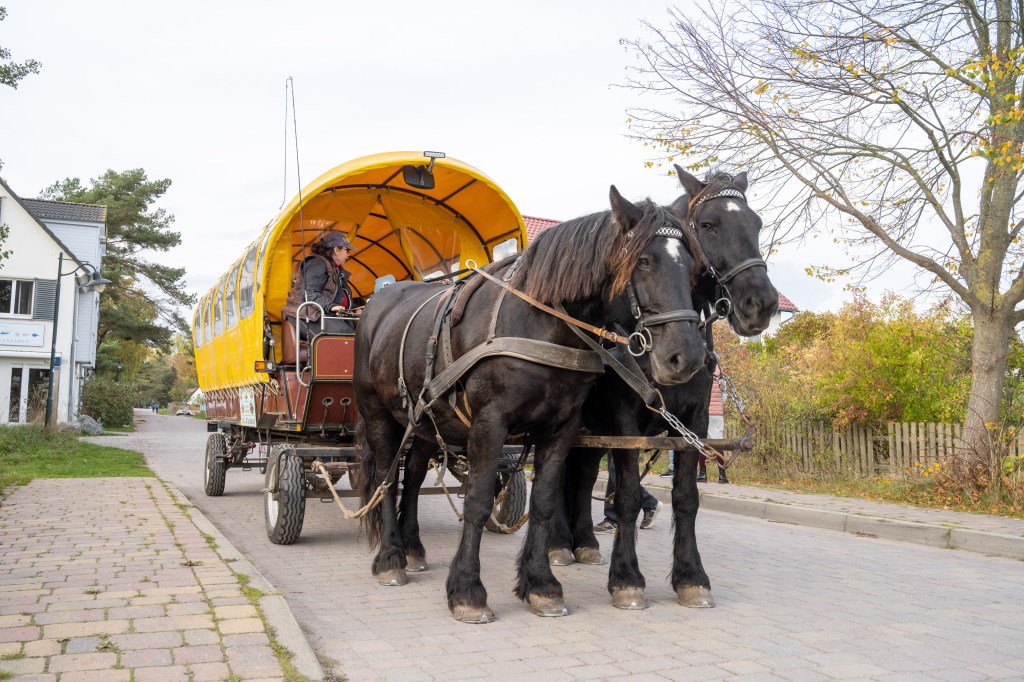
x=994, y=535
x=111, y=580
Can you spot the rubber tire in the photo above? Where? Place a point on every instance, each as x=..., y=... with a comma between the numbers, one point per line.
x=215, y=469
x=284, y=515
x=514, y=506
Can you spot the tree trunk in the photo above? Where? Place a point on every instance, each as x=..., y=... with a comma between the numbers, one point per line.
x=992, y=331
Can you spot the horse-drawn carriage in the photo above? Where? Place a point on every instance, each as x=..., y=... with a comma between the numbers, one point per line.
x=453, y=369
x=281, y=405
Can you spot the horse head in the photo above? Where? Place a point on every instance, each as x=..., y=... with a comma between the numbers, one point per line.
x=656, y=268
x=717, y=213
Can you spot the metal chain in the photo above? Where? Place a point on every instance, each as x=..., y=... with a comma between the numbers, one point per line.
x=728, y=389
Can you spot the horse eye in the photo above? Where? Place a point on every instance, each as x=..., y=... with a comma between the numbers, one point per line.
x=706, y=226
x=644, y=262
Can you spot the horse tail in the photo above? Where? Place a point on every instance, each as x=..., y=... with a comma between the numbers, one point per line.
x=373, y=521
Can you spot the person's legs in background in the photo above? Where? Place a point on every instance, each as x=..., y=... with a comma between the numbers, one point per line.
x=716, y=429
x=610, y=523
x=671, y=465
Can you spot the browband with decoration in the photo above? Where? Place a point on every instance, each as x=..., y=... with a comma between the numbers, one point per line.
x=668, y=232
x=727, y=192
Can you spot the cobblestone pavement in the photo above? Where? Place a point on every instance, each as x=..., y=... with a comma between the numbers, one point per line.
x=794, y=602
x=109, y=580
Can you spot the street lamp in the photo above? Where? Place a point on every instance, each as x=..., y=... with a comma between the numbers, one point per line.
x=96, y=282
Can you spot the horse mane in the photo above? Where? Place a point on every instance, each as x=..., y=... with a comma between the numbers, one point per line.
x=574, y=260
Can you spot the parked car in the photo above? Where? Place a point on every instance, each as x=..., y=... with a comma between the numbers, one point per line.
x=184, y=411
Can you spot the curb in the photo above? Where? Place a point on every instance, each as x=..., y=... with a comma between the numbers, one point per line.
x=933, y=535
x=274, y=606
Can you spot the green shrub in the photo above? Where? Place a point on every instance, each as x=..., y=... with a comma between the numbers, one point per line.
x=108, y=402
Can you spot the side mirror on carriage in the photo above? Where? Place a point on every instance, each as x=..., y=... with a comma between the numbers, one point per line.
x=420, y=177
x=383, y=282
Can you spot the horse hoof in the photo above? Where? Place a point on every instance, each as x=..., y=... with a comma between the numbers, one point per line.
x=474, y=615
x=589, y=555
x=415, y=564
x=560, y=557
x=393, y=578
x=629, y=598
x=695, y=597
x=548, y=607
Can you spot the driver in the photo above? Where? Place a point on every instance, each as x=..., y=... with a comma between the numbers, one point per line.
x=322, y=278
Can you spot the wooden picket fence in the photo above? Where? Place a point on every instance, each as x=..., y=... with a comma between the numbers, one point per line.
x=899, y=448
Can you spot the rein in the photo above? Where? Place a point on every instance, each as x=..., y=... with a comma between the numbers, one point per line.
x=562, y=315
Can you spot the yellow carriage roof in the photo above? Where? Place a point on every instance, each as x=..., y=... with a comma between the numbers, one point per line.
x=410, y=232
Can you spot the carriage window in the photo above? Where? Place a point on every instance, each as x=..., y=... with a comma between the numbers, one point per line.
x=506, y=248
x=263, y=241
x=207, y=320
x=197, y=328
x=246, y=300
x=218, y=311
x=230, y=308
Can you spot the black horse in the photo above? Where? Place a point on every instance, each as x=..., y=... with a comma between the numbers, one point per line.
x=581, y=264
x=717, y=213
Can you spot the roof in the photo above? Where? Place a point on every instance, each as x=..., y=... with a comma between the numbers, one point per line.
x=65, y=210
x=535, y=226
x=21, y=202
x=786, y=305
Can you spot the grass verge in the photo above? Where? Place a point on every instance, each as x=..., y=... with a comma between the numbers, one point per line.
x=30, y=452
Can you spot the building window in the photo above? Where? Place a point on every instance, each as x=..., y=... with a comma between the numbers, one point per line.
x=15, y=297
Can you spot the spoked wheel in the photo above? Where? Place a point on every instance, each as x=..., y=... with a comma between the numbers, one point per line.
x=216, y=468
x=514, y=505
x=285, y=509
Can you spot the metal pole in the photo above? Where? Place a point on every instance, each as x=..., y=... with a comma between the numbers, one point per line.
x=53, y=343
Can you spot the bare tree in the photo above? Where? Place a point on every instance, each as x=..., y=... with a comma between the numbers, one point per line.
x=897, y=126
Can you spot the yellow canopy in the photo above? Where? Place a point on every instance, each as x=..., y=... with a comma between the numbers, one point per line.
x=410, y=232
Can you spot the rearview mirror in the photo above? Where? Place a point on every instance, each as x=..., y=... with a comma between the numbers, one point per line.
x=419, y=177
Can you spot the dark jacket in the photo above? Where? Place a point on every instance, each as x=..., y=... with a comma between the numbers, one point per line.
x=319, y=281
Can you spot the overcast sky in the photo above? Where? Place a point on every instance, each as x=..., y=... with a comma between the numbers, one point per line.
x=194, y=92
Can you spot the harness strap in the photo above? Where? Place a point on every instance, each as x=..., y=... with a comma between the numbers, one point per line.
x=674, y=316
x=745, y=265
x=403, y=389
x=531, y=350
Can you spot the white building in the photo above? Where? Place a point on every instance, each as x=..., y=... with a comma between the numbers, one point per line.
x=41, y=233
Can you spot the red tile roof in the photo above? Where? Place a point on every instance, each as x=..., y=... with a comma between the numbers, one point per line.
x=535, y=226
x=786, y=305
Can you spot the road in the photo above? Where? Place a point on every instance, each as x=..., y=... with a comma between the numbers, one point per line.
x=794, y=603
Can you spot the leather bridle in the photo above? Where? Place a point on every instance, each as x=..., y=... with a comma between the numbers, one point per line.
x=641, y=335
x=723, y=302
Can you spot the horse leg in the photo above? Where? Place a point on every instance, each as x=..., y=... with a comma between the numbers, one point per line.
x=584, y=463
x=625, y=581
x=536, y=583
x=383, y=435
x=560, y=548
x=691, y=583
x=408, y=508
x=467, y=597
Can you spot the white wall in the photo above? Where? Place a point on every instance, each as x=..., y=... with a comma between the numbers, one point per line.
x=34, y=256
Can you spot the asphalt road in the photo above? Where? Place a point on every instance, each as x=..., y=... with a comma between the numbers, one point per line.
x=794, y=603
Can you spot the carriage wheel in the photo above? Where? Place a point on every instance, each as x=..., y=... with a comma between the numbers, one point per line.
x=215, y=468
x=284, y=510
x=514, y=505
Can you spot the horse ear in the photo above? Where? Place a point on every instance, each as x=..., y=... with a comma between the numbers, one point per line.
x=741, y=182
x=690, y=184
x=623, y=211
